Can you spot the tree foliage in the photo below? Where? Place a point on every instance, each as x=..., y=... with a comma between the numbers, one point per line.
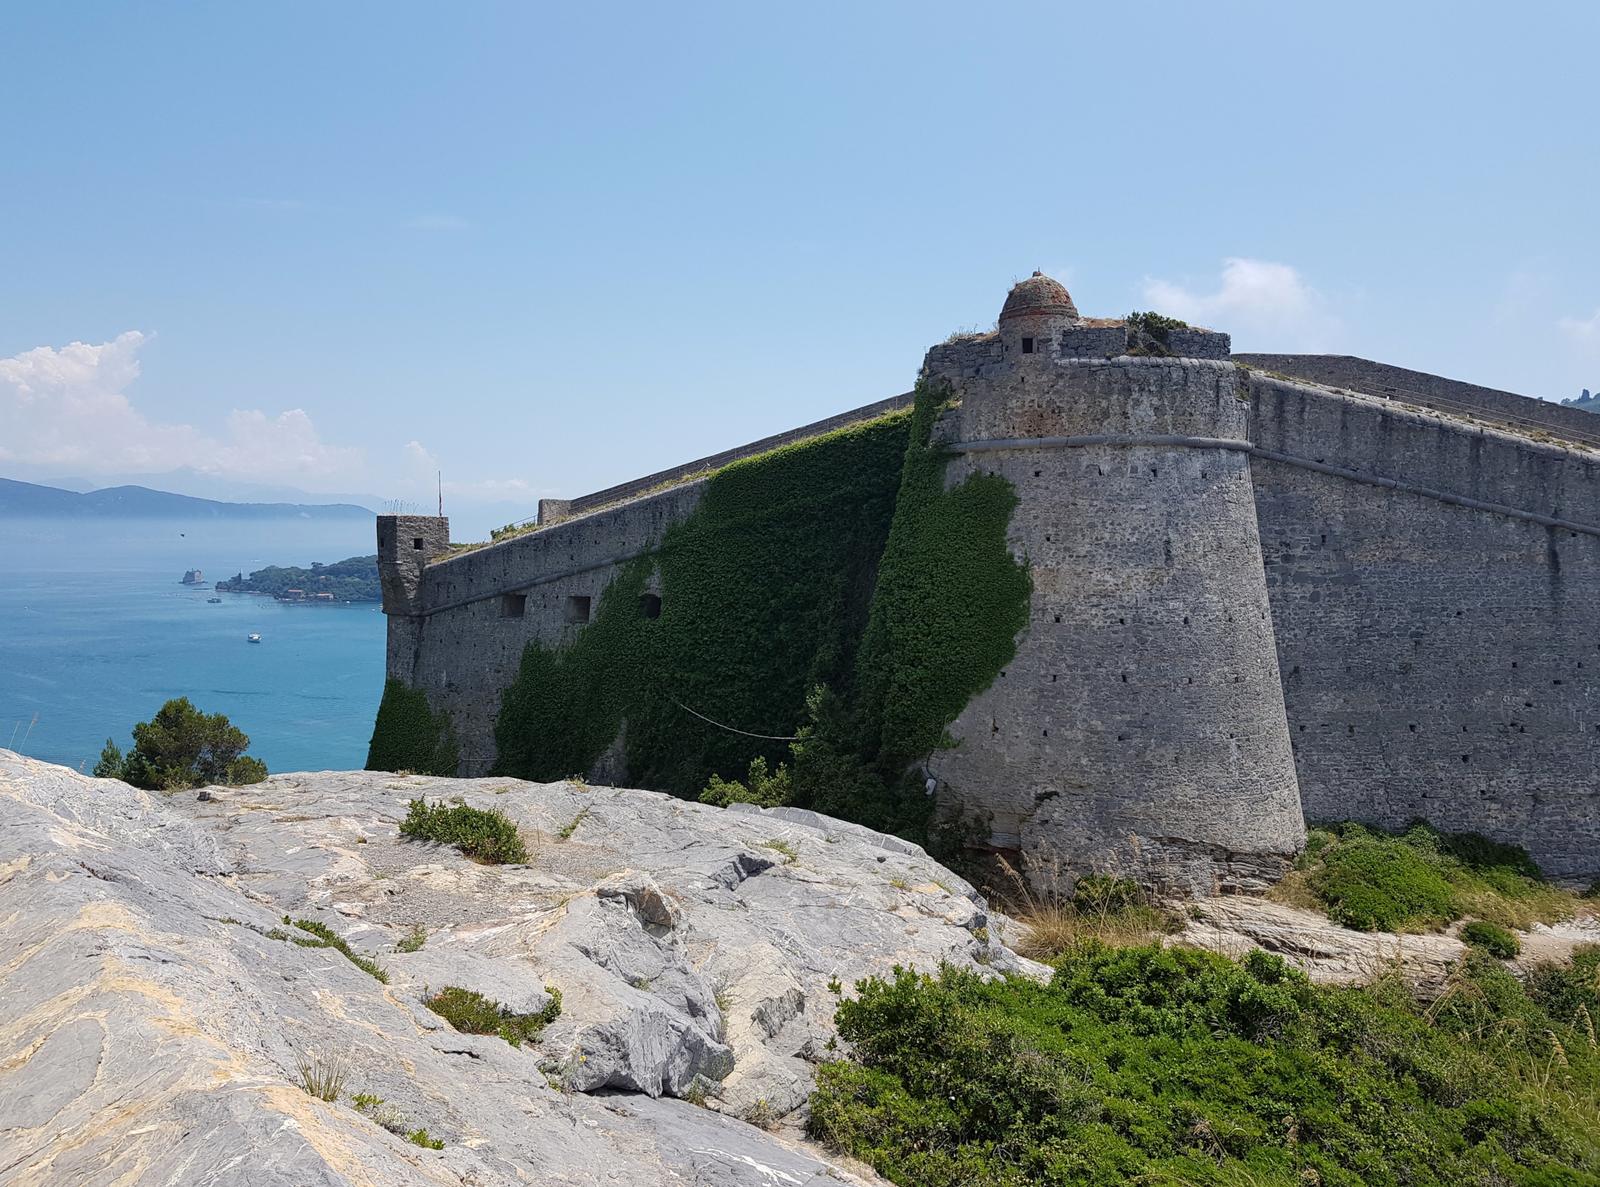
x=181, y=747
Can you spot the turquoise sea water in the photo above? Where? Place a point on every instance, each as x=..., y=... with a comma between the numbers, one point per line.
x=96, y=632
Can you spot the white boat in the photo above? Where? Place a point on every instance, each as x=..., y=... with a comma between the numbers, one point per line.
x=252, y=637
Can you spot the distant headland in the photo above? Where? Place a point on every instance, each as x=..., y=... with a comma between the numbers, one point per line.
x=28, y=499
x=354, y=579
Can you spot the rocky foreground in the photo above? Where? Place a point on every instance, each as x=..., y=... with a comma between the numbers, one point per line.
x=154, y=1021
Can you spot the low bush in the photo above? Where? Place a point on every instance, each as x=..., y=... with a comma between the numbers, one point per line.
x=472, y=1013
x=320, y=935
x=768, y=789
x=413, y=940
x=1170, y=1066
x=489, y=837
x=1422, y=879
x=1492, y=938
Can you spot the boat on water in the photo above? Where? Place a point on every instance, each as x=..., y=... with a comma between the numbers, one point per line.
x=253, y=637
x=214, y=601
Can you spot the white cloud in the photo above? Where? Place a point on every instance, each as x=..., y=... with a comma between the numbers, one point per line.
x=1583, y=332
x=422, y=466
x=1264, y=305
x=69, y=407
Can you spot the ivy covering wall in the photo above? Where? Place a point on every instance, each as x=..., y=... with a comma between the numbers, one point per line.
x=830, y=605
x=409, y=736
x=764, y=592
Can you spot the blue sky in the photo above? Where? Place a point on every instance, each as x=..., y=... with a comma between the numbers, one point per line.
x=546, y=248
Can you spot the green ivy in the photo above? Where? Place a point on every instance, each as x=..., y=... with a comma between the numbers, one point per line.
x=764, y=593
x=832, y=595
x=950, y=601
x=409, y=736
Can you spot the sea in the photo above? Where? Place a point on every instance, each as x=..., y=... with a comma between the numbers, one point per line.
x=97, y=632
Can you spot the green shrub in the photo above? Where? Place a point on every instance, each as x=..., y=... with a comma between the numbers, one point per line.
x=1171, y=1066
x=472, y=1013
x=769, y=790
x=413, y=940
x=489, y=837
x=1150, y=333
x=419, y=1137
x=1380, y=886
x=1571, y=993
x=409, y=736
x=1492, y=938
x=320, y=935
x=181, y=747
x=1421, y=878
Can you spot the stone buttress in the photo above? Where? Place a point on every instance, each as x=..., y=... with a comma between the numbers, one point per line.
x=1140, y=729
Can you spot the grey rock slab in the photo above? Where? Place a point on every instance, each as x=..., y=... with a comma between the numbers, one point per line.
x=155, y=1015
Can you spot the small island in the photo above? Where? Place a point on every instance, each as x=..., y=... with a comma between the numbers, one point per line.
x=354, y=579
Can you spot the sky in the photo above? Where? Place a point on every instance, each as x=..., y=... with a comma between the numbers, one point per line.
x=543, y=249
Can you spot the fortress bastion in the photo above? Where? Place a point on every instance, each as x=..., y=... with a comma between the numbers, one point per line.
x=1264, y=589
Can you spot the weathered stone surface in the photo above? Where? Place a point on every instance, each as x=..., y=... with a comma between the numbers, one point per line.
x=152, y=1022
x=1334, y=955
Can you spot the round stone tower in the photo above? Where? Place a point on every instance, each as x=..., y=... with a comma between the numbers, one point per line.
x=1140, y=730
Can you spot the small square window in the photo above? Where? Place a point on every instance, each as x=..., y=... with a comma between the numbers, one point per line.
x=1027, y=346
x=577, y=610
x=513, y=605
x=416, y=543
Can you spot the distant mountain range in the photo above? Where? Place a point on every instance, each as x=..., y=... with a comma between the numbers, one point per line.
x=19, y=499
x=1586, y=402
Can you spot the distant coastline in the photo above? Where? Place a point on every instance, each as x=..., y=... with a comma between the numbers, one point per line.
x=28, y=499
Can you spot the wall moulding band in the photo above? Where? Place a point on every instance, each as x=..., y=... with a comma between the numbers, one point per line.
x=1286, y=459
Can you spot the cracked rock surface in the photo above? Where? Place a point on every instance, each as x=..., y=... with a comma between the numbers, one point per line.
x=154, y=1014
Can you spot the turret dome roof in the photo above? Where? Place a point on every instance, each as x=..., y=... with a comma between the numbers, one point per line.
x=1038, y=296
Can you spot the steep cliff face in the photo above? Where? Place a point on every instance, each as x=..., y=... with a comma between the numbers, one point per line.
x=160, y=990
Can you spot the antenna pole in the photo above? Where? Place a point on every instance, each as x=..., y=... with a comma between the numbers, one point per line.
x=439, y=474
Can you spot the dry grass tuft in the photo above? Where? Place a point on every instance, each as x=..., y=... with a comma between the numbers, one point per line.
x=1102, y=910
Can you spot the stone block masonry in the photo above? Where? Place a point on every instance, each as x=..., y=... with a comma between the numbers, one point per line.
x=1256, y=599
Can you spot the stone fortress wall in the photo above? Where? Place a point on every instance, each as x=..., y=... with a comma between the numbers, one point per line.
x=1255, y=597
x=1435, y=594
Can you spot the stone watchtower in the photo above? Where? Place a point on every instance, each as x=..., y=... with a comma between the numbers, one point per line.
x=1037, y=314
x=405, y=545
x=1140, y=729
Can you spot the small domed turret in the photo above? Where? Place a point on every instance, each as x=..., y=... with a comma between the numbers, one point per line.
x=1036, y=314
x=1038, y=296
